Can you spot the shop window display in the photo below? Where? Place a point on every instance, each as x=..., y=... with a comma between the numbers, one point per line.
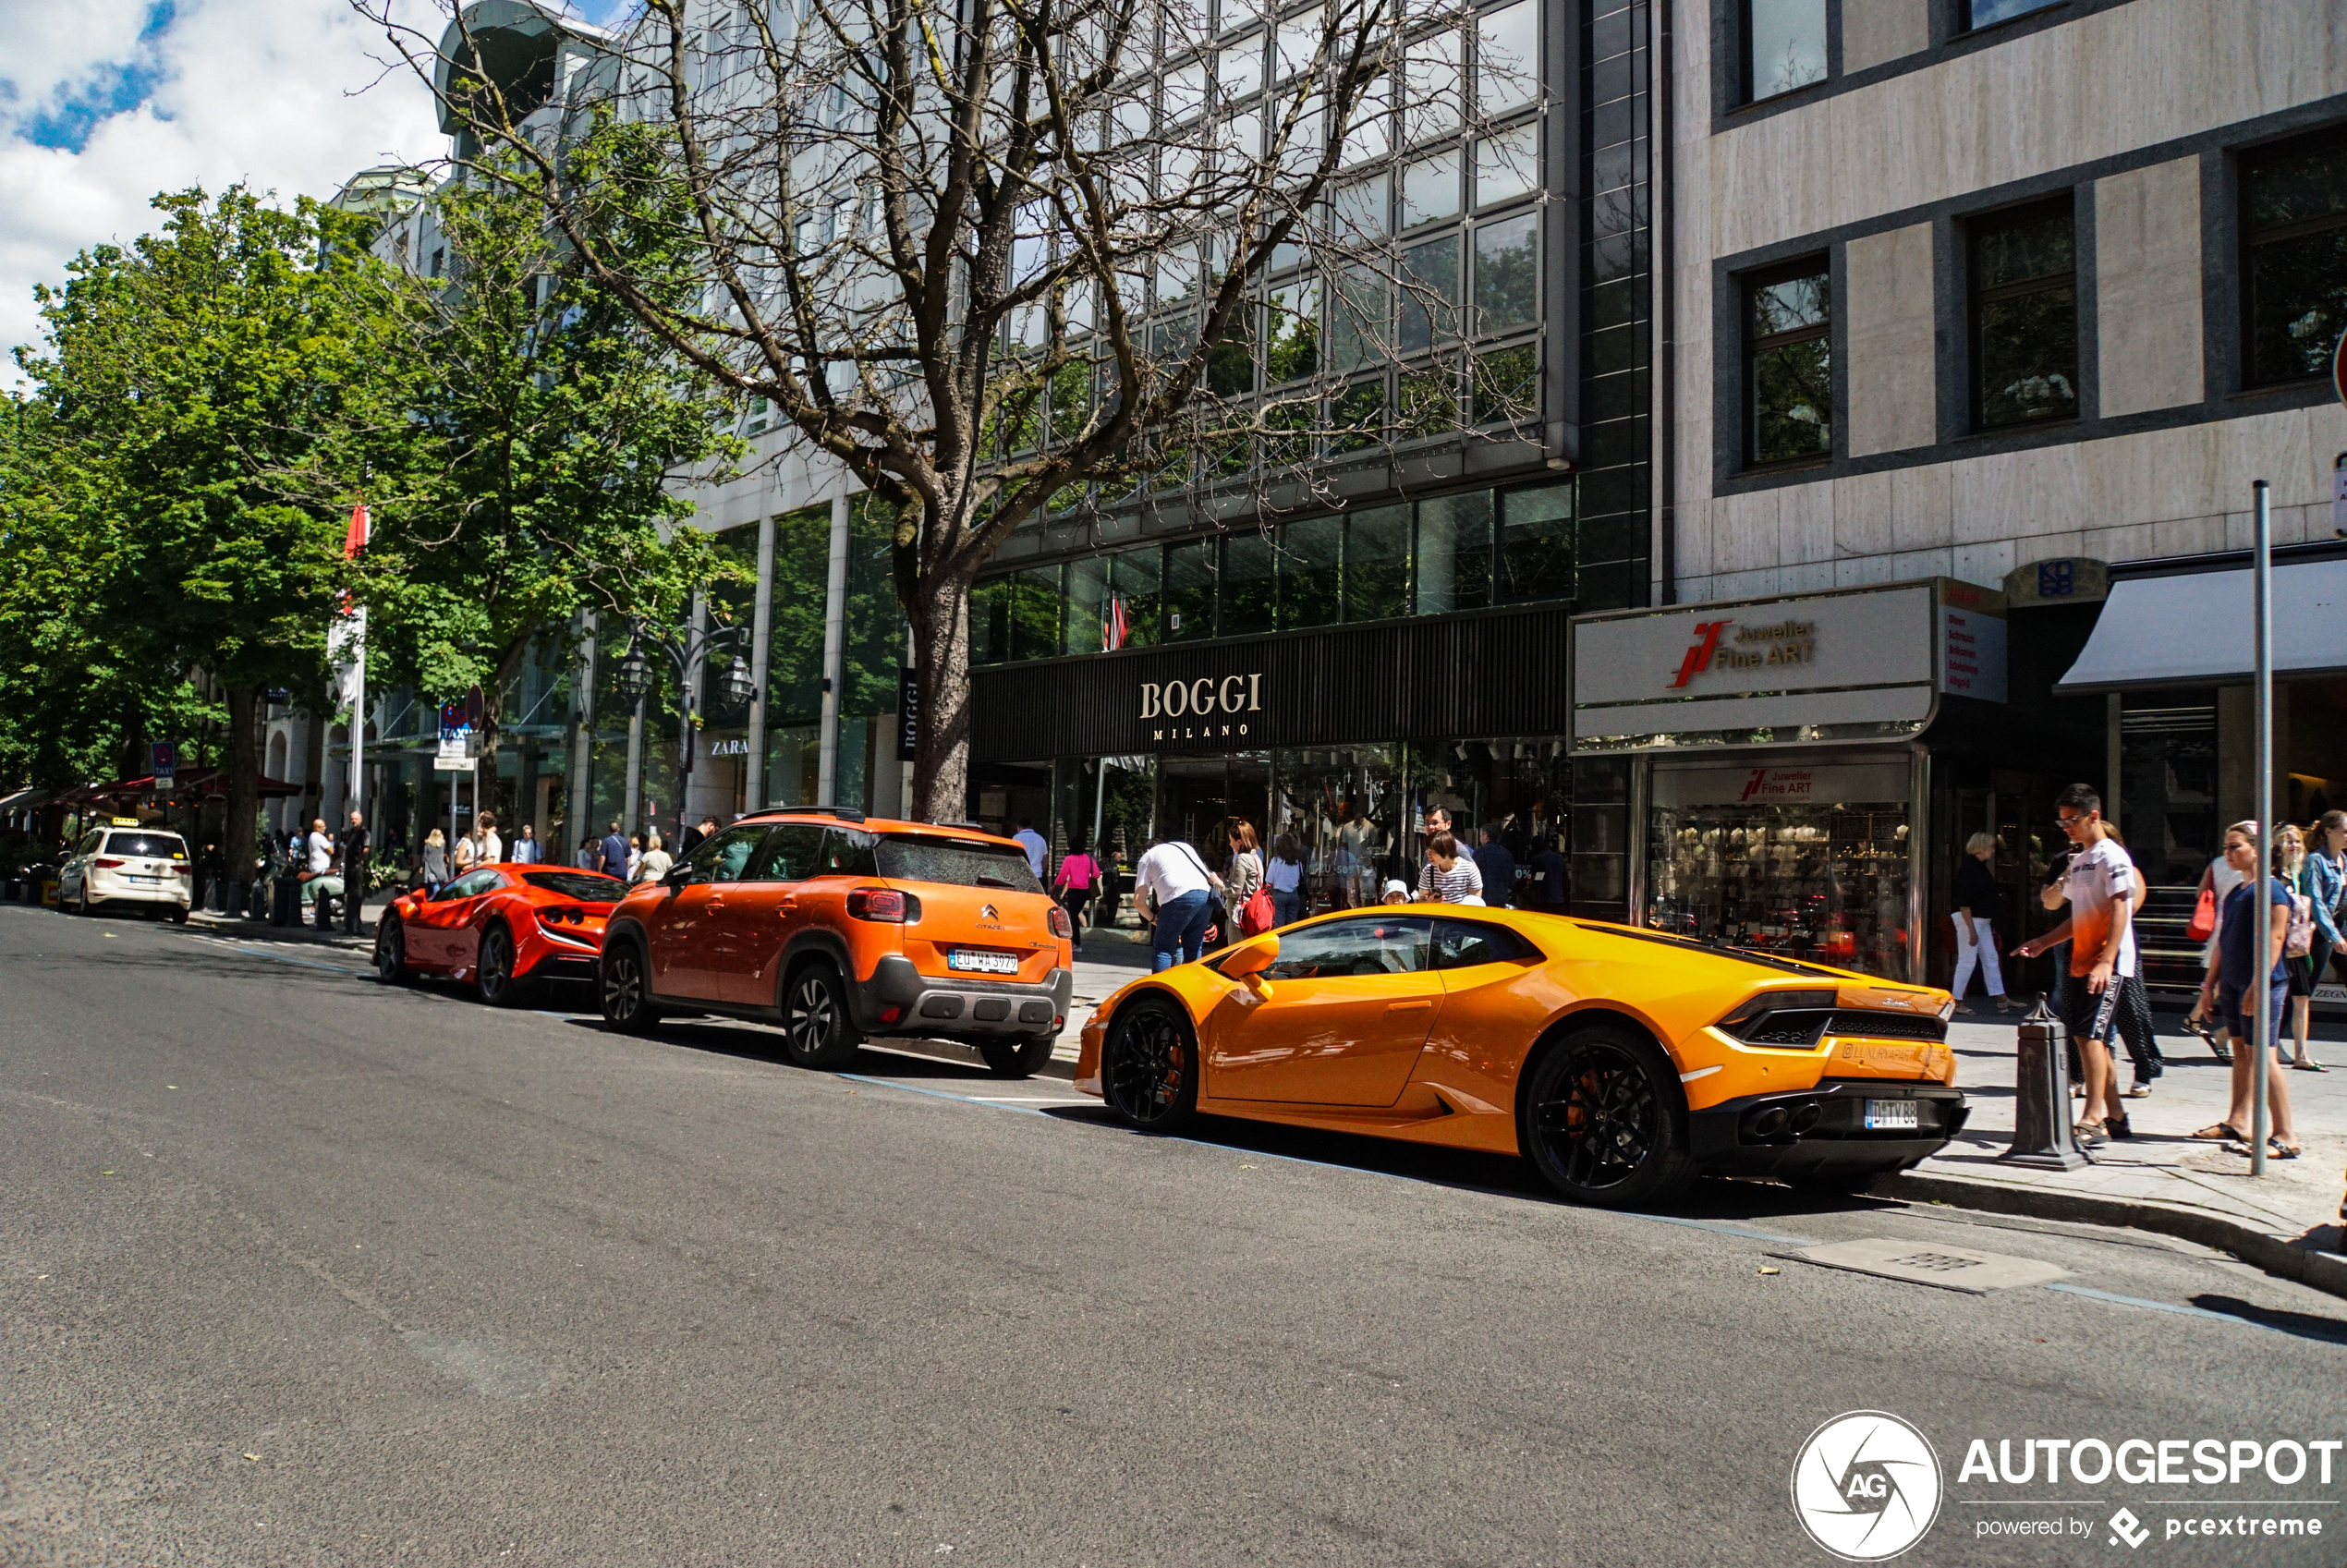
x=1825, y=883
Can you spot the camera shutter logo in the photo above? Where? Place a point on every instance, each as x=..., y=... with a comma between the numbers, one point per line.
x=1867, y=1486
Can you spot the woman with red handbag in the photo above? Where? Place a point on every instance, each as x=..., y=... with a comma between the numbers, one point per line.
x=1244, y=893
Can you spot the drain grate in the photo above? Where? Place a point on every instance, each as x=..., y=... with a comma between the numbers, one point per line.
x=1974, y=1273
x=1937, y=1262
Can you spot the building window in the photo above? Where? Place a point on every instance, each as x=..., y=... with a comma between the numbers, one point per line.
x=2024, y=317
x=1788, y=364
x=1784, y=44
x=2294, y=266
x=1989, y=13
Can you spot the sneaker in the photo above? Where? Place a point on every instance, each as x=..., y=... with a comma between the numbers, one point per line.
x=2139, y=1089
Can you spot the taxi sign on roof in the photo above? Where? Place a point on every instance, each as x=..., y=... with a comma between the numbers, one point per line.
x=126, y=821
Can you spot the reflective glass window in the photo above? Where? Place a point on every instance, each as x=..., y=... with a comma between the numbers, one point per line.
x=2024, y=317
x=2294, y=263
x=1789, y=364
x=1785, y=46
x=1454, y=553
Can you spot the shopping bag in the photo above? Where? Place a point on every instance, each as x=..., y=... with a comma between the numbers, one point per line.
x=2204, y=916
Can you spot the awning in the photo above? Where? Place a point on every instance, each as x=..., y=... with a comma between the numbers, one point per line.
x=24, y=799
x=2195, y=629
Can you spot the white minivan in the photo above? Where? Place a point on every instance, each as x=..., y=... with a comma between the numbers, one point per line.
x=132, y=865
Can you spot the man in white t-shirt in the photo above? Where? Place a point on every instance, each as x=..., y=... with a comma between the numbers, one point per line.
x=1180, y=890
x=2099, y=888
x=489, y=847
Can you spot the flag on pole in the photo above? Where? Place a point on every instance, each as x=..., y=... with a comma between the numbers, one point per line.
x=346, y=637
x=346, y=657
x=1114, y=627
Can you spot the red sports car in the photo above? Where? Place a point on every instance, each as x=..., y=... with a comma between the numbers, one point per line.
x=501, y=928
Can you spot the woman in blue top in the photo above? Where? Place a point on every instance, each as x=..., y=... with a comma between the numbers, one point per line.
x=2231, y=978
x=2323, y=879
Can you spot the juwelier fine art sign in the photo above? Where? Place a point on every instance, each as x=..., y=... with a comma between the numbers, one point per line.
x=1784, y=670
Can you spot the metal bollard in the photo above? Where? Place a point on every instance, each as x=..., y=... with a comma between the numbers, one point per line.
x=2041, y=1131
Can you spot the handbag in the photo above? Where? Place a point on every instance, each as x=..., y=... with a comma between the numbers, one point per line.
x=2204, y=916
x=1256, y=915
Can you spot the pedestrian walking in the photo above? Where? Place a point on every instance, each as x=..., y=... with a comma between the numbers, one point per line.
x=1078, y=880
x=690, y=839
x=2231, y=986
x=2100, y=885
x=1976, y=897
x=1449, y=876
x=635, y=856
x=490, y=850
x=462, y=854
x=1396, y=892
x=654, y=863
x=2325, y=888
x=435, y=869
x=1038, y=851
x=2295, y=868
x=1284, y=877
x=526, y=850
x=1242, y=880
x=614, y=853
x=1172, y=889
x=353, y=873
x=1495, y=866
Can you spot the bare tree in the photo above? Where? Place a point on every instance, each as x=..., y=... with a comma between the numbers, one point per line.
x=1000, y=256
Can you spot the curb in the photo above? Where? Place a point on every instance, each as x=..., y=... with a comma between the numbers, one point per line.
x=966, y=1055
x=2277, y=1255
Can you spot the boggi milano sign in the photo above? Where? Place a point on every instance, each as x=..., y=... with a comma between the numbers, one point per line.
x=1209, y=708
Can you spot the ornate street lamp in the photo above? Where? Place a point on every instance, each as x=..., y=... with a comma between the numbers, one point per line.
x=634, y=677
x=688, y=649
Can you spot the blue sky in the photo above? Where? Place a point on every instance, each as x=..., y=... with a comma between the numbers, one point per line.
x=106, y=102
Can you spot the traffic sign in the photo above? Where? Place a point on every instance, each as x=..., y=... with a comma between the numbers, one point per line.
x=165, y=762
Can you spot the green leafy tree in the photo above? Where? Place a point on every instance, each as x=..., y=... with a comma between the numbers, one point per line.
x=552, y=424
x=207, y=401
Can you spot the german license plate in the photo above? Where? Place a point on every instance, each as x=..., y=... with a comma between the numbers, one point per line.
x=983, y=962
x=1892, y=1113
x=137, y=877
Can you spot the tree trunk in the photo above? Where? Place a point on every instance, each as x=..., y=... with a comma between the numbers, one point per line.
x=941, y=656
x=240, y=845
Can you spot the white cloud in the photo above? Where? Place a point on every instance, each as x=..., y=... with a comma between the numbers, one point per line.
x=267, y=92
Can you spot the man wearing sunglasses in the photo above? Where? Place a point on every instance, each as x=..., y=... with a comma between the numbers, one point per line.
x=2099, y=886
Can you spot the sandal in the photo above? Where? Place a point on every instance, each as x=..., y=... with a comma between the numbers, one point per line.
x=2090, y=1133
x=2308, y=1065
x=2220, y=1132
x=2277, y=1149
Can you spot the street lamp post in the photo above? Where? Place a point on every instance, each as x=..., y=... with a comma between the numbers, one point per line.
x=688, y=649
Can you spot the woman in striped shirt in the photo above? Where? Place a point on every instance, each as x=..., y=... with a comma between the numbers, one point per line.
x=1448, y=876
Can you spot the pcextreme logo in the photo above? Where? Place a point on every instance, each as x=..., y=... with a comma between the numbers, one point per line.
x=1867, y=1486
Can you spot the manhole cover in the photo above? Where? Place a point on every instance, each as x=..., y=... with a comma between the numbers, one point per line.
x=1950, y=1268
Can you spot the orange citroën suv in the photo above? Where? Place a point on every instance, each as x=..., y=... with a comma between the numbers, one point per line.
x=840, y=927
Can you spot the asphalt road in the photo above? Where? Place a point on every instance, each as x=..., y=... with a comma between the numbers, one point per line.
x=297, y=1270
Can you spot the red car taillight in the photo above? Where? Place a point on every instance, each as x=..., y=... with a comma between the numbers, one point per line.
x=1062, y=927
x=884, y=903
x=106, y=864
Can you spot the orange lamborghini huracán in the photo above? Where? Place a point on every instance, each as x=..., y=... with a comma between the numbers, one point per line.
x=1621, y=1063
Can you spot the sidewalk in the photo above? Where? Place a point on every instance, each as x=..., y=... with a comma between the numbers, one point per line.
x=2286, y=1223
